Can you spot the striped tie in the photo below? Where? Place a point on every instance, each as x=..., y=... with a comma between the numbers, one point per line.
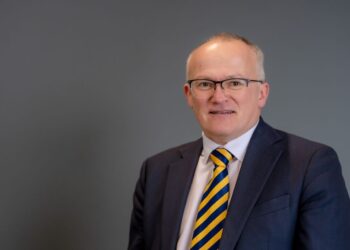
x=213, y=206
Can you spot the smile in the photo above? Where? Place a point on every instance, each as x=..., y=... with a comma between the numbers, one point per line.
x=221, y=112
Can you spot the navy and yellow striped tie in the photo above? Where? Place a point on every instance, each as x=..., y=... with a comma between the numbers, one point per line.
x=213, y=206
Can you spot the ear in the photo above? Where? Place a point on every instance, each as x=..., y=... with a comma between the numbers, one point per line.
x=263, y=94
x=188, y=94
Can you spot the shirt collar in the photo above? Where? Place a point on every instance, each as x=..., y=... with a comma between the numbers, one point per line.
x=237, y=146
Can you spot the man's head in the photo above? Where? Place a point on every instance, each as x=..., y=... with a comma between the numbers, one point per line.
x=225, y=114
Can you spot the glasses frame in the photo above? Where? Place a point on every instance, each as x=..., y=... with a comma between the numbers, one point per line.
x=247, y=81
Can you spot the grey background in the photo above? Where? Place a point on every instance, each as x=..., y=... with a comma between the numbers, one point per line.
x=89, y=89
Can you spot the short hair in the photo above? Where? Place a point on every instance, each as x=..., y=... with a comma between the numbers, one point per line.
x=225, y=36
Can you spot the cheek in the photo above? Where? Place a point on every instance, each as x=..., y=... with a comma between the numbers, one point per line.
x=248, y=103
x=198, y=104
x=200, y=109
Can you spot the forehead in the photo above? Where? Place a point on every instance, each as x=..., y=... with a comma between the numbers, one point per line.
x=219, y=59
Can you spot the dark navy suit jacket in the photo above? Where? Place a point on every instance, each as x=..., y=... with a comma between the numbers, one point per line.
x=290, y=194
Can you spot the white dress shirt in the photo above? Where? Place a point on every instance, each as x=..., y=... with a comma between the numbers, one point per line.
x=203, y=174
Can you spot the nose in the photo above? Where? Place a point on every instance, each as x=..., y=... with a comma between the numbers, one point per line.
x=219, y=94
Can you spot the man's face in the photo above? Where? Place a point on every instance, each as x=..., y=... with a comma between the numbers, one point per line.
x=224, y=116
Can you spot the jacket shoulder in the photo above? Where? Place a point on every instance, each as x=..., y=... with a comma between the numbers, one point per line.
x=173, y=154
x=297, y=143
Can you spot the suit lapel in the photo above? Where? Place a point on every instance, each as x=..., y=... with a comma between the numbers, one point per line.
x=262, y=154
x=178, y=183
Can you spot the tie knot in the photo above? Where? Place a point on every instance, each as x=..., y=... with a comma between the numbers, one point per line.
x=221, y=157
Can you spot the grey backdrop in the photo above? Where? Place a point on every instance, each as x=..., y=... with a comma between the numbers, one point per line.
x=91, y=88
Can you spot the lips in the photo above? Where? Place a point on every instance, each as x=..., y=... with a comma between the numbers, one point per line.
x=221, y=112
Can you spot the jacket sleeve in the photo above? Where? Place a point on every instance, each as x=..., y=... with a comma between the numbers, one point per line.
x=136, y=234
x=324, y=211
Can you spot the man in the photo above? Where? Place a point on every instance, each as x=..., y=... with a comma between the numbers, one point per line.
x=243, y=185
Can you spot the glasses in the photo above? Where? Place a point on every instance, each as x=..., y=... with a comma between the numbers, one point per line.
x=204, y=87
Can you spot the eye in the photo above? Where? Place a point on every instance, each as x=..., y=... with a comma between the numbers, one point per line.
x=203, y=84
x=234, y=83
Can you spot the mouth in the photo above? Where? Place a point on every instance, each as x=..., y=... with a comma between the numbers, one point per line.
x=221, y=112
